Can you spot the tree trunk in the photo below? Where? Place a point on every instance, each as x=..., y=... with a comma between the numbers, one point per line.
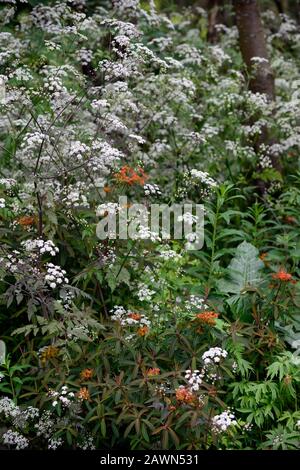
x=212, y=34
x=253, y=44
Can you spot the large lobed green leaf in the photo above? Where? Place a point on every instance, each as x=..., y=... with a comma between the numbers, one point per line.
x=243, y=270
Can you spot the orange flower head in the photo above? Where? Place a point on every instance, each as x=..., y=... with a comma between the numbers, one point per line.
x=207, y=318
x=107, y=189
x=48, y=353
x=172, y=408
x=129, y=176
x=143, y=330
x=184, y=395
x=153, y=372
x=86, y=374
x=135, y=316
x=26, y=221
x=83, y=394
x=282, y=276
x=289, y=219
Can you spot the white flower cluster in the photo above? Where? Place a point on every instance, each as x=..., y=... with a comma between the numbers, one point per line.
x=8, y=407
x=45, y=426
x=259, y=60
x=66, y=297
x=257, y=101
x=120, y=43
x=85, y=56
x=223, y=421
x=194, y=379
x=195, y=303
x=16, y=439
x=108, y=208
x=2, y=203
x=19, y=417
x=125, y=317
x=8, y=183
x=152, y=190
x=167, y=254
x=55, y=276
x=99, y=105
x=64, y=397
x=190, y=55
x=219, y=55
x=75, y=333
x=34, y=140
x=52, y=46
x=105, y=156
x=144, y=233
x=12, y=262
x=54, y=85
x=41, y=245
x=78, y=150
x=214, y=355
x=108, y=257
x=144, y=293
x=22, y=74
x=54, y=443
x=265, y=161
x=87, y=443
x=73, y=196
x=114, y=70
x=203, y=177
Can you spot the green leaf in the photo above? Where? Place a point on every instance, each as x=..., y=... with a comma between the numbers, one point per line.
x=243, y=270
x=2, y=352
x=103, y=427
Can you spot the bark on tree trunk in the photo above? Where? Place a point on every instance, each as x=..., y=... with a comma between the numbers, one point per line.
x=212, y=34
x=253, y=44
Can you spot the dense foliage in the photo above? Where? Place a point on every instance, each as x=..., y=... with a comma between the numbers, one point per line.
x=144, y=343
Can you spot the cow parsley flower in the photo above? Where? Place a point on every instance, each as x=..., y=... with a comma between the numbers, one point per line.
x=55, y=276
x=194, y=379
x=16, y=439
x=221, y=422
x=152, y=190
x=42, y=246
x=214, y=356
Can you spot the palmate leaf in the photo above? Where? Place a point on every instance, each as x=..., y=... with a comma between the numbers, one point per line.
x=243, y=271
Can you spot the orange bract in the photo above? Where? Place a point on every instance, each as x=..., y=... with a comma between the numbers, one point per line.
x=289, y=219
x=135, y=316
x=209, y=318
x=83, y=394
x=282, y=276
x=143, y=331
x=26, y=220
x=153, y=372
x=184, y=395
x=49, y=353
x=86, y=374
x=129, y=176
